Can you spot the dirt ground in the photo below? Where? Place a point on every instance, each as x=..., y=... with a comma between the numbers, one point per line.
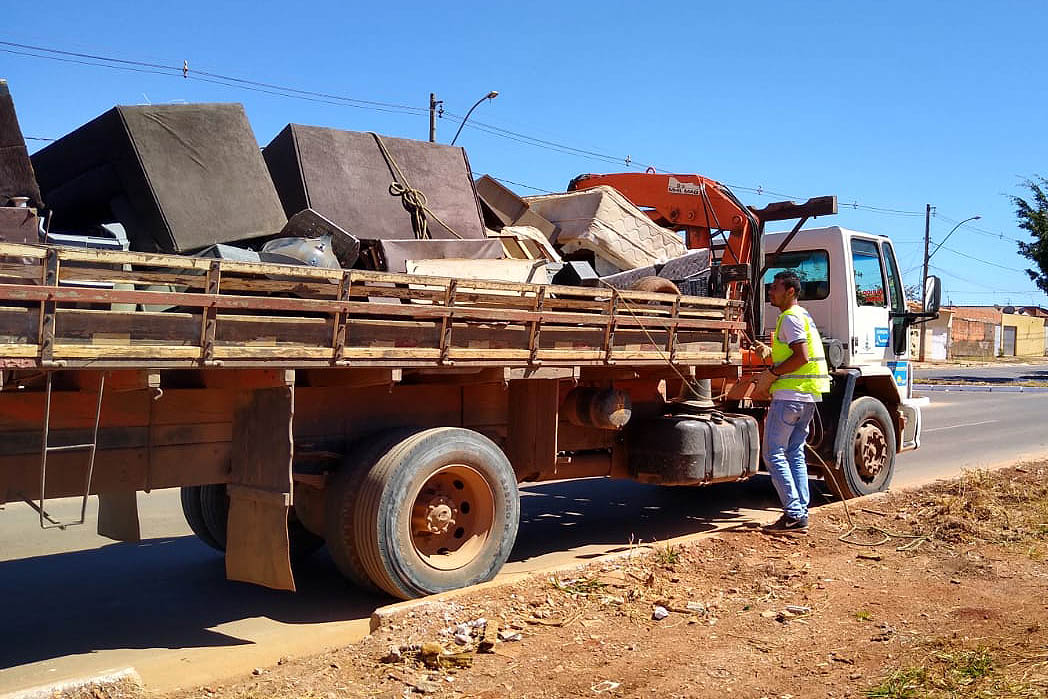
x=939, y=592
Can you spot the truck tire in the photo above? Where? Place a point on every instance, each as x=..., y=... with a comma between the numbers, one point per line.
x=193, y=512
x=214, y=505
x=867, y=461
x=341, y=502
x=437, y=511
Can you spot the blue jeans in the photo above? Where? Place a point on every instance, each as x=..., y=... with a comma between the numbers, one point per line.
x=785, y=429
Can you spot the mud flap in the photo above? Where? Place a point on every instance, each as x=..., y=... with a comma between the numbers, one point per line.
x=257, y=548
x=118, y=515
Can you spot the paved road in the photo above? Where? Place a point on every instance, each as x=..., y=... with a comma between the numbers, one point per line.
x=1003, y=374
x=78, y=604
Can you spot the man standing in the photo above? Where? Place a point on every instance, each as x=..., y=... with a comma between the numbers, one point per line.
x=796, y=381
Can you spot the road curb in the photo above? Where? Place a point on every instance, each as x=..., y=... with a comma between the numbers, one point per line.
x=978, y=388
x=48, y=691
x=384, y=616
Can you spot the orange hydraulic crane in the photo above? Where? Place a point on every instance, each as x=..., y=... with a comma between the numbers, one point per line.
x=699, y=207
x=694, y=204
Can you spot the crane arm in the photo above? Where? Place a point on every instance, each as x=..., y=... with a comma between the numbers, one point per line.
x=694, y=204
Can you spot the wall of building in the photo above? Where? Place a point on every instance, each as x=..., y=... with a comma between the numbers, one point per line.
x=970, y=337
x=986, y=313
x=1029, y=334
x=936, y=338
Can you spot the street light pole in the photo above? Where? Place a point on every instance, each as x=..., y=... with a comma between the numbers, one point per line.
x=433, y=104
x=928, y=256
x=924, y=276
x=972, y=218
x=490, y=96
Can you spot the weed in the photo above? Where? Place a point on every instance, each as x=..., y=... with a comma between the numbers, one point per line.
x=863, y=615
x=901, y=684
x=950, y=675
x=578, y=587
x=666, y=555
x=969, y=666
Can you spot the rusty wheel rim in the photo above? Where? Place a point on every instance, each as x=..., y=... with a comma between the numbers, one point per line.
x=871, y=450
x=451, y=517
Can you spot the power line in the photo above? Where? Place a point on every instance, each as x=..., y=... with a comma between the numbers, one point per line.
x=985, y=262
x=184, y=71
x=976, y=229
x=521, y=184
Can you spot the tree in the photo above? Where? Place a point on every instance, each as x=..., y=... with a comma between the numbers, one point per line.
x=1033, y=218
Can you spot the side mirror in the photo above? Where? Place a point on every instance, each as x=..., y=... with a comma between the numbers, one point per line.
x=932, y=294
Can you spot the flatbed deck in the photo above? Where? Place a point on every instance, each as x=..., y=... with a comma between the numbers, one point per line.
x=75, y=308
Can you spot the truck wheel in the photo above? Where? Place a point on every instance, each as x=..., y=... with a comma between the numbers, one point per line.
x=342, y=499
x=868, y=458
x=214, y=505
x=437, y=511
x=191, y=508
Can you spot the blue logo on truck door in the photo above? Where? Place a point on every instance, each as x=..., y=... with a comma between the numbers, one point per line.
x=881, y=336
x=901, y=372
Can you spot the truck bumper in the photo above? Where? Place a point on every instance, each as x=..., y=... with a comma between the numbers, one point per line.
x=911, y=412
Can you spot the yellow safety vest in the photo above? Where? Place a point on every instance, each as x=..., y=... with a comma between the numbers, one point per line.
x=811, y=377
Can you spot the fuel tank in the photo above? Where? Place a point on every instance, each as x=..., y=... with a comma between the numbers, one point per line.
x=693, y=449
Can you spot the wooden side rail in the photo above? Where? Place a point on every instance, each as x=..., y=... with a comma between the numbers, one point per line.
x=68, y=308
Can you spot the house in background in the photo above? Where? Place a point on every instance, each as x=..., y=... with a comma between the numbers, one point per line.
x=1016, y=332
x=1042, y=313
x=937, y=334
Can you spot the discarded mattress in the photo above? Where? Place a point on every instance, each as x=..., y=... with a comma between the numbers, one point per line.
x=180, y=177
x=345, y=176
x=502, y=207
x=604, y=222
x=690, y=273
x=16, y=170
x=527, y=271
x=392, y=255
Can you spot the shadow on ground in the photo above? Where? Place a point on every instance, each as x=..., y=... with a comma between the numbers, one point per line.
x=170, y=592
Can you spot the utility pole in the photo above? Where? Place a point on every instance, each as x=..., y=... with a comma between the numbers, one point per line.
x=433, y=104
x=924, y=277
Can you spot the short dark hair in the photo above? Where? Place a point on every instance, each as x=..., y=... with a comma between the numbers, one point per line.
x=790, y=280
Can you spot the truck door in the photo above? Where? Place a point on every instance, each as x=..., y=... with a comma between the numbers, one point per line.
x=871, y=325
x=898, y=351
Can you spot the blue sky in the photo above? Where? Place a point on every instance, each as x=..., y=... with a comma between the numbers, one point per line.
x=889, y=105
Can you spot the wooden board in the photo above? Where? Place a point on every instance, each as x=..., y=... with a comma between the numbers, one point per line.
x=252, y=314
x=257, y=546
x=532, y=429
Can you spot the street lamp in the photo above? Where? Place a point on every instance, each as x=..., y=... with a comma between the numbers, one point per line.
x=973, y=218
x=490, y=96
x=927, y=256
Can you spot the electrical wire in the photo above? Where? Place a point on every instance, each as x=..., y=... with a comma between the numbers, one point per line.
x=183, y=71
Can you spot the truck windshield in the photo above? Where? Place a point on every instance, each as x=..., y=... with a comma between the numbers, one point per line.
x=812, y=266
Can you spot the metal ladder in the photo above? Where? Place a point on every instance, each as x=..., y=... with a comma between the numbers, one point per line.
x=46, y=521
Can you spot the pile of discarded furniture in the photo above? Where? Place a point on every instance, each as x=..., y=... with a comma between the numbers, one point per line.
x=190, y=179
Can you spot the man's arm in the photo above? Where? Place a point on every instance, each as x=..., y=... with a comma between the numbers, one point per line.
x=795, y=361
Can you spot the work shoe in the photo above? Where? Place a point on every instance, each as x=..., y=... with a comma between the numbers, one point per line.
x=787, y=525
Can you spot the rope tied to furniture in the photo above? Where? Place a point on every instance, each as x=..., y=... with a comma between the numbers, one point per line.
x=413, y=200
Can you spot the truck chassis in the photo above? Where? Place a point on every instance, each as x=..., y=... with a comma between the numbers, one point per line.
x=389, y=415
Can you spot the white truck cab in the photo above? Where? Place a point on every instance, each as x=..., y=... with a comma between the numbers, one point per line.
x=852, y=287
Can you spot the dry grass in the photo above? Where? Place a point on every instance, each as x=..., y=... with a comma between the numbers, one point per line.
x=1002, y=507
x=952, y=670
